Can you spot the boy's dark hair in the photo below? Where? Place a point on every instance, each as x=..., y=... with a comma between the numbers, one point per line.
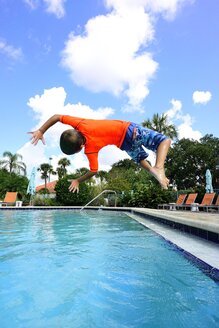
x=71, y=141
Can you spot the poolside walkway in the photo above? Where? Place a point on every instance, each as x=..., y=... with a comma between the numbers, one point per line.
x=202, y=220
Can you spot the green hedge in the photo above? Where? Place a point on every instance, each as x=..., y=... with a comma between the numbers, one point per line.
x=146, y=196
x=66, y=198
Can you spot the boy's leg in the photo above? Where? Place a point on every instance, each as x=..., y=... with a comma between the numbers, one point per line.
x=158, y=170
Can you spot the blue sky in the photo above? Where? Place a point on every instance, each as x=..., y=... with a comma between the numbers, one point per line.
x=112, y=59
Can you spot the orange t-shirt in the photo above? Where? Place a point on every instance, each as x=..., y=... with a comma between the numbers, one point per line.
x=98, y=134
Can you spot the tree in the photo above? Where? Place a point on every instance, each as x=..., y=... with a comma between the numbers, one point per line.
x=188, y=161
x=119, y=184
x=125, y=164
x=45, y=170
x=102, y=175
x=125, y=175
x=61, y=169
x=81, y=171
x=12, y=182
x=13, y=163
x=160, y=124
x=61, y=172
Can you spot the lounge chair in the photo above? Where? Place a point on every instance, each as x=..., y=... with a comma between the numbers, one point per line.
x=189, y=202
x=206, y=201
x=10, y=199
x=172, y=206
x=213, y=206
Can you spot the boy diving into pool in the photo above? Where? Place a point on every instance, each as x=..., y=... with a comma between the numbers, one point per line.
x=93, y=135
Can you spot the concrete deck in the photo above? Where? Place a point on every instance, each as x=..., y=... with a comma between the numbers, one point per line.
x=202, y=220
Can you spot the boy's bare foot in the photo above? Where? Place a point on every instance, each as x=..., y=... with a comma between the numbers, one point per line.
x=159, y=174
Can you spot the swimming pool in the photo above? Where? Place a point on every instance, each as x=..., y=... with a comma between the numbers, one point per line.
x=71, y=269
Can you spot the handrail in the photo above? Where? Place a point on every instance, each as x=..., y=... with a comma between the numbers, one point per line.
x=104, y=191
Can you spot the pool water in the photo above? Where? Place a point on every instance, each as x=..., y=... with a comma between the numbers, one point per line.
x=69, y=269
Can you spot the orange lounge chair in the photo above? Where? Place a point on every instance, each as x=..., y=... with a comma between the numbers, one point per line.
x=189, y=201
x=10, y=198
x=172, y=206
x=213, y=206
x=207, y=200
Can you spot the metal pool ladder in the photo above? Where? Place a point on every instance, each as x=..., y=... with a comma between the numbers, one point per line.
x=104, y=191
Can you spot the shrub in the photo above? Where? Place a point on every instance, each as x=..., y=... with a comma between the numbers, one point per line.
x=39, y=201
x=150, y=196
x=65, y=197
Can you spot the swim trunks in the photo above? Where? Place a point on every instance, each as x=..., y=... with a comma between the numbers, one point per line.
x=146, y=137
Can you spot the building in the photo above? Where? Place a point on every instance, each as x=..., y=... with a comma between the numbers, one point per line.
x=50, y=186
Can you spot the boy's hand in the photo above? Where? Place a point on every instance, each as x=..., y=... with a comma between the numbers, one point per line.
x=74, y=186
x=36, y=136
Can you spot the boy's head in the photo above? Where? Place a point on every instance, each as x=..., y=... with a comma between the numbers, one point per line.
x=71, y=141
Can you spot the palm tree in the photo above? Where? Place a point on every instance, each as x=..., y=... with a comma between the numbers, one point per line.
x=81, y=171
x=63, y=163
x=60, y=171
x=45, y=170
x=102, y=175
x=13, y=163
x=160, y=123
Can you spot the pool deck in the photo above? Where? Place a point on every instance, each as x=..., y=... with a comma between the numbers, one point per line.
x=189, y=231
x=202, y=220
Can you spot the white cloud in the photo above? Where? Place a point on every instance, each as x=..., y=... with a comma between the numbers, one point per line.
x=107, y=58
x=185, y=129
x=175, y=111
x=110, y=55
x=182, y=121
x=110, y=155
x=77, y=161
x=33, y=156
x=10, y=51
x=201, y=97
x=55, y=7
x=33, y=4
x=51, y=102
x=167, y=8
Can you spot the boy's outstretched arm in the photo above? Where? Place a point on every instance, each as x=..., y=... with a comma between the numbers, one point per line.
x=38, y=134
x=74, y=186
